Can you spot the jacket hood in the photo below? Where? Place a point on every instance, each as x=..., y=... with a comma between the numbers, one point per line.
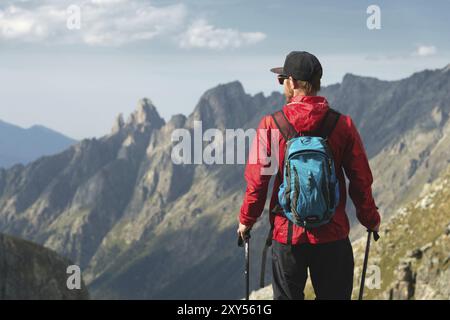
x=306, y=112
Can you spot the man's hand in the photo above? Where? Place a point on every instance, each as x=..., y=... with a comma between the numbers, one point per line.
x=377, y=227
x=243, y=230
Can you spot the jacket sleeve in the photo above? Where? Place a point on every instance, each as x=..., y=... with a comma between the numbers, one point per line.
x=257, y=183
x=356, y=166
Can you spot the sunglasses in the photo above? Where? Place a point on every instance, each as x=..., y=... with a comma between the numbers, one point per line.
x=281, y=78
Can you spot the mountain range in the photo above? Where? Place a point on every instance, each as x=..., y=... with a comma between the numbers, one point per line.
x=143, y=227
x=19, y=145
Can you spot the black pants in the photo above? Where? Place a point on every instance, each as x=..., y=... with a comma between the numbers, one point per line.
x=330, y=266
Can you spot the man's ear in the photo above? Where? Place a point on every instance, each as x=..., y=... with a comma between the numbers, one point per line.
x=294, y=83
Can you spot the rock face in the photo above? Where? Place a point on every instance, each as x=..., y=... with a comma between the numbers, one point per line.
x=31, y=272
x=403, y=289
x=141, y=226
x=426, y=275
x=414, y=250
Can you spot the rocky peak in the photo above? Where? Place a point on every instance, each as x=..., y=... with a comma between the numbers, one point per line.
x=226, y=105
x=145, y=113
x=351, y=79
x=118, y=123
x=233, y=88
x=177, y=120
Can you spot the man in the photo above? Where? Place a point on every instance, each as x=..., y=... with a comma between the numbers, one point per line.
x=326, y=250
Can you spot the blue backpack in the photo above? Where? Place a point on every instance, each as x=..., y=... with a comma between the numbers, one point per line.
x=309, y=193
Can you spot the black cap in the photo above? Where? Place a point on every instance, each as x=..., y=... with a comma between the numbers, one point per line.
x=300, y=65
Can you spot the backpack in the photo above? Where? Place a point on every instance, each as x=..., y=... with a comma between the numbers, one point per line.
x=309, y=193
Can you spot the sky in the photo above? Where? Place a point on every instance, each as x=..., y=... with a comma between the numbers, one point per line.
x=74, y=65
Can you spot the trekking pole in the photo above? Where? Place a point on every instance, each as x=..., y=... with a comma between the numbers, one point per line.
x=366, y=258
x=246, y=243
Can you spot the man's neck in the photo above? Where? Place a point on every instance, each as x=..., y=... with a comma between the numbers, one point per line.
x=301, y=93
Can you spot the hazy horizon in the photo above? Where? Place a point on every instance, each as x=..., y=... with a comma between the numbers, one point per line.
x=77, y=81
x=167, y=118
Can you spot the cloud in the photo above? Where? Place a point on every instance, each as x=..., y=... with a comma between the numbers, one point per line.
x=117, y=22
x=425, y=51
x=18, y=23
x=200, y=34
x=114, y=23
x=103, y=22
x=107, y=2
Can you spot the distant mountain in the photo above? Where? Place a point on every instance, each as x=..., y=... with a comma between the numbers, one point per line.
x=19, y=145
x=142, y=227
x=31, y=272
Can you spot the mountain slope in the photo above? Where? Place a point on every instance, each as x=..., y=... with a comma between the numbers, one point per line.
x=31, y=272
x=142, y=227
x=18, y=145
x=413, y=253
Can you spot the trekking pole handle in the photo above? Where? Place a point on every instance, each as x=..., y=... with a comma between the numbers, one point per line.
x=376, y=236
x=246, y=236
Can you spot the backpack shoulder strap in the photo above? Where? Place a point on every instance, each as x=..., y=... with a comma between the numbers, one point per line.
x=285, y=127
x=288, y=132
x=329, y=123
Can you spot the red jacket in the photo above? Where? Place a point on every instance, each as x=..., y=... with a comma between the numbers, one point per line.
x=305, y=114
